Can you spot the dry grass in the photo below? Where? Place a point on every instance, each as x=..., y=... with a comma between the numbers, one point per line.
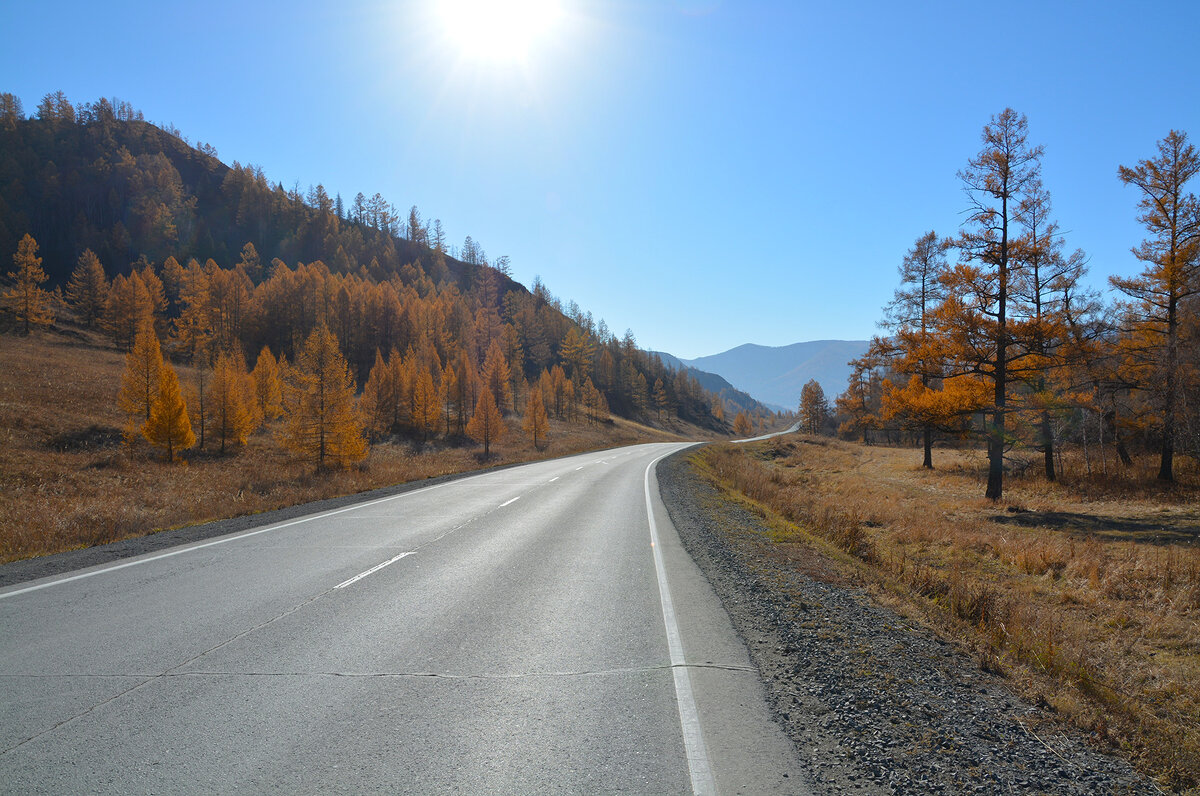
x=67, y=479
x=1086, y=593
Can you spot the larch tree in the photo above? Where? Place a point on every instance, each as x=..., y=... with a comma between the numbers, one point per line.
x=230, y=401
x=377, y=404
x=26, y=299
x=497, y=377
x=168, y=426
x=913, y=349
x=536, y=423
x=268, y=389
x=662, y=400
x=448, y=394
x=87, y=290
x=487, y=424
x=324, y=425
x=814, y=407
x=198, y=398
x=426, y=410
x=126, y=309
x=1043, y=286
x=975, y=318
x=1171, y=276
x=741, y=425
x=141, y=378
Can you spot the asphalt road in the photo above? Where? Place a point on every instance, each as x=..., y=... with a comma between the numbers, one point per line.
x=532, y=630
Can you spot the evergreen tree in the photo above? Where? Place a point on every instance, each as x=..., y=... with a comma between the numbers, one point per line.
x=168, y=426
x=536, y=424
x=141, y=379
x=267, y=386
x=1171, y=277
x=324, y=425
x=26, y=299
x=230, y=401
x=487, y=424
x=87, y=292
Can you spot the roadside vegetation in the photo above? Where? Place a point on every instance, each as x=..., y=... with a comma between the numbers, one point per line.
x=70, y=478
x=1084, y=592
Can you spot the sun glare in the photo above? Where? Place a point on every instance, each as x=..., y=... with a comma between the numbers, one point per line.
x=498, y=29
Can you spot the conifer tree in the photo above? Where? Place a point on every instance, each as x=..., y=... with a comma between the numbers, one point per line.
x=127, y=308
x=536, y=424
x=977, y=320
x=267, y=386
x=324, y=425
x=914, y=349
x=141, y=380
x=661, y=399
x=1161, y=293
x=168, y=426
x=198, y=398
x=26, y=299
x=230, y=401
x=448, y=394
x=741, y=424
x=496, y=376
x=487, y=424
x=377, y=405
x=426, y=411
x=87, y=291
x=814, y=408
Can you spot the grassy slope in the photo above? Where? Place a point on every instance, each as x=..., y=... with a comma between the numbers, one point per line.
x=67, y=480
x=1086, y=593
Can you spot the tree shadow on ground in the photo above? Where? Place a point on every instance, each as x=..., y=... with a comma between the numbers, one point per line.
x=1170, y=529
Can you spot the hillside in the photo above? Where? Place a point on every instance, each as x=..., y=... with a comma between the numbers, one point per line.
x=713, y=383
x=273, y=264
x=776, y=374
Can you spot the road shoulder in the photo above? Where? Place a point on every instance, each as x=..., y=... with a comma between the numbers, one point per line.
x=874, y=703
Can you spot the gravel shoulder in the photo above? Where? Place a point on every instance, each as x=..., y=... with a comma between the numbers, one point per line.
x=874, y=703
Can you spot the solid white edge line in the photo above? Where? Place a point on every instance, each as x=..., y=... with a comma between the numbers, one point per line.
x=372, y=570
x=510, y=502
x=699, y=768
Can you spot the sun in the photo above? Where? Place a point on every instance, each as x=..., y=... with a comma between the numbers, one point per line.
x=498, y=30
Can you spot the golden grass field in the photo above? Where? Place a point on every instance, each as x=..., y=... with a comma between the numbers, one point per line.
x=1085, y=593
x=67, y=480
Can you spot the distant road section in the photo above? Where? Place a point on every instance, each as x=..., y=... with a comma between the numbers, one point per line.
x=537, y=629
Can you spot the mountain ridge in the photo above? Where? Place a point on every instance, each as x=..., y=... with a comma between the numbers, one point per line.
x=775, y=375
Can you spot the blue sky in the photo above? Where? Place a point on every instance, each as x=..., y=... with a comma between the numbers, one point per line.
x=706, y=172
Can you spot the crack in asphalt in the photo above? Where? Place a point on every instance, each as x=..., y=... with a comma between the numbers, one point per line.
x=430, y=675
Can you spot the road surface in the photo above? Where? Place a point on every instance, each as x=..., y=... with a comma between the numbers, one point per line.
x=535, y=629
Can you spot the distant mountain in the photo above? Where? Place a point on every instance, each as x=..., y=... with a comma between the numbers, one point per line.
x=776, y=374
x=713, y=383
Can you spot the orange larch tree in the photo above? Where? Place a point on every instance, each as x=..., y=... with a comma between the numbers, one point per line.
x=976, y=319
x=141, y=379
x=536, y=424
x=377, y=404
x=1160, y=294
x=324, y=425
x=230, y=401
x=87, y=291
x=487, y=424
x=26, y=299
x=168, y=427
x=268, y=390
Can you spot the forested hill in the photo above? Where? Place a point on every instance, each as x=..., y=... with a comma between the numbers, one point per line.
x=266, y=265
x=99, y=177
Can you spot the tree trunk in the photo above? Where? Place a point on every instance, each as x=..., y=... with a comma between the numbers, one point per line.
x=1165, y=467
x=1048, y=446
x=928, y=444
x=1110, y=421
